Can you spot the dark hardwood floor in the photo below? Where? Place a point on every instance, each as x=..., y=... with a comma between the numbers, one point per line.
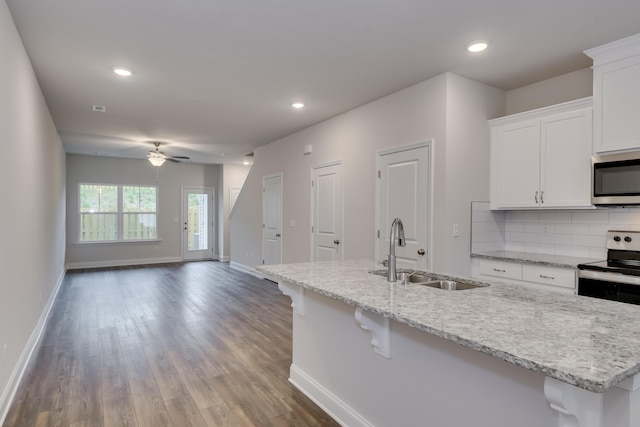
x=193, y=344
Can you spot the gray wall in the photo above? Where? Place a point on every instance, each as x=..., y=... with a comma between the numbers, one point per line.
x=449, y=109
x=567, y=87
x=169, y=179
x=32, y=190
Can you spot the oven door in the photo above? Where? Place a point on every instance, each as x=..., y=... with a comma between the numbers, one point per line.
x=611, y=286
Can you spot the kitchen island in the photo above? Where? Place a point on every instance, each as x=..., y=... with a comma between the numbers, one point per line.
x=376, y=353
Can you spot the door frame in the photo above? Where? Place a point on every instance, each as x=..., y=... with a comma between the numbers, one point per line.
x=183, y=215
x=312, y=206
x=429, y=144
x=262, y=207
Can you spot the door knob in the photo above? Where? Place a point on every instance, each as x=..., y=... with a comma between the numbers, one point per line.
x=336, y=242
x=420, y=251
x=277, y=234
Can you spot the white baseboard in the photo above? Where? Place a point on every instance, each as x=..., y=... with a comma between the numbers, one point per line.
x=224, y=258
x=342, y=413
x=16, y=376
x=246, y=269
x=122, y=262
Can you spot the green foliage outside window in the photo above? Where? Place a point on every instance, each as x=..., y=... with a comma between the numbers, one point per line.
x=98, y=198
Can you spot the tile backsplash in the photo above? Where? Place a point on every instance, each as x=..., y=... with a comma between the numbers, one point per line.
x=579, y=233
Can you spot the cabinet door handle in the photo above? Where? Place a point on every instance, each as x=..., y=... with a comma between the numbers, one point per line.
x=536, y=197
x=499, y=271
x=542, y=196
x=542, y=276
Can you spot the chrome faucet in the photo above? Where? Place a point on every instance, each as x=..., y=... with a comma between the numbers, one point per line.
x=395, y=225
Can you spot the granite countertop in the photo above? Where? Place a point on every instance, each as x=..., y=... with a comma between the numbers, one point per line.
x=534, y=258
x=591, y=343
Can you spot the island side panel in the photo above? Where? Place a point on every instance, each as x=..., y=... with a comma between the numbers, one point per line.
x=426, y=378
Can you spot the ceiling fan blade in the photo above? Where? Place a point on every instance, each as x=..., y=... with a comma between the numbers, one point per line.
x=179, y=157
x=171, y=159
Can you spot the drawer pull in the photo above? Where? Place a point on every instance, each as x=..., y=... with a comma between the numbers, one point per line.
x=542, y=276
x=499, y=271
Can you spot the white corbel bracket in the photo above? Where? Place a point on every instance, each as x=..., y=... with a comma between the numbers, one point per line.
x=296, y=293
x=378, y=326
x=576, y=407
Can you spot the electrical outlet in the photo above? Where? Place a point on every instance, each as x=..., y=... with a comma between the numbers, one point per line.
x=456, y=230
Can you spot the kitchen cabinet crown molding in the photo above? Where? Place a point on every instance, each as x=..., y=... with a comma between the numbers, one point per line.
x=543, y=111
x=614, y=51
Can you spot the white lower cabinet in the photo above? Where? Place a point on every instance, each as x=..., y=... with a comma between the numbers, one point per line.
x=553, y=278
x=533, y=276
x=508, y=272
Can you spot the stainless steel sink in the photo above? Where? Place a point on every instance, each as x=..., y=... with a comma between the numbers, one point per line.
x=407, y=276
x=414, y=278
x=450, y=285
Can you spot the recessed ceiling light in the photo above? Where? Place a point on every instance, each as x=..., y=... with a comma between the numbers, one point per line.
x=297, y=105
x=477, y=46
x=123, y=71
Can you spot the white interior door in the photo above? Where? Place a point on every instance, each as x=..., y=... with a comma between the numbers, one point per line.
x=197, y=223
x=272, y=219
x=326, y=213
x=404, y=192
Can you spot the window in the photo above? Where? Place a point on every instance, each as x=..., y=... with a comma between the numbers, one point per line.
x=117, y=213
x=139, y=213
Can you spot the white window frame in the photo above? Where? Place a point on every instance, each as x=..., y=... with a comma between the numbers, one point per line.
x=119, y=213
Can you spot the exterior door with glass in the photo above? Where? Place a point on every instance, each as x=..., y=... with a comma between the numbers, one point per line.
x=197, y=223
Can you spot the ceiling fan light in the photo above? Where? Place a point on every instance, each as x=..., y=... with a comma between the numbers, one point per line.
x=156, y=161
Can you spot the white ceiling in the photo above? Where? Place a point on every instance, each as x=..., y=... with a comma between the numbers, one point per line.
x=215, y=78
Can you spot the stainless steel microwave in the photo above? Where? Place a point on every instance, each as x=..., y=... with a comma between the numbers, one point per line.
x=615, y=179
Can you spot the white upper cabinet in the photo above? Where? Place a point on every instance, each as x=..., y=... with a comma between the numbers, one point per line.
x=616, y=95
x=542, y=158
x=515, y=156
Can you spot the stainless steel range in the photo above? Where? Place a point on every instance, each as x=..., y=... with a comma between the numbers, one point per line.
x=617, y=278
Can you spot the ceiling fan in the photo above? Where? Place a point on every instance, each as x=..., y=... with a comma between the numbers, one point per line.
x=157, y=157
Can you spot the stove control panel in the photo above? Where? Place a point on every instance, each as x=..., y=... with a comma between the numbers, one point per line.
x=623, y=240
